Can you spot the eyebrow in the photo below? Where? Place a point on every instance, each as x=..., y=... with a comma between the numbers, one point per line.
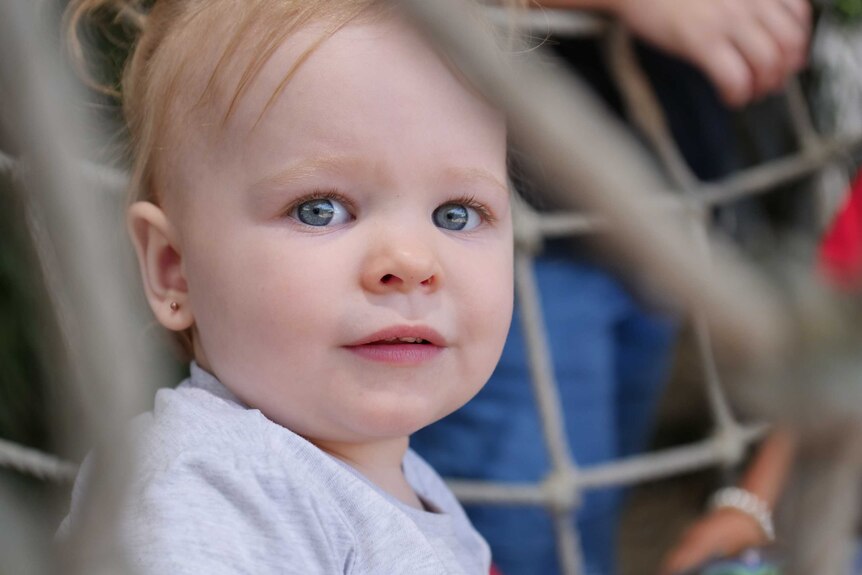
x=335, y=164
x=474, y=175
x=309, y=167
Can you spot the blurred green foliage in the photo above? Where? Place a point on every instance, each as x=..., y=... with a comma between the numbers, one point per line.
x=849, y=11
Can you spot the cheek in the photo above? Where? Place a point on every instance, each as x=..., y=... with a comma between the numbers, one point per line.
x=264, y=292
x=488, y=309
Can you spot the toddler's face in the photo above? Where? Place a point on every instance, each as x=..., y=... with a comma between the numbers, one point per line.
x=369, y=204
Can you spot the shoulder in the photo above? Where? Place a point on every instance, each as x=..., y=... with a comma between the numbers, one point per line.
x=225, y=512
x=198, y=445
x=218, y=488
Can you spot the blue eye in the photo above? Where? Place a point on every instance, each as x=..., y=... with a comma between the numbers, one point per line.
x=456, y=217
x=321, y=212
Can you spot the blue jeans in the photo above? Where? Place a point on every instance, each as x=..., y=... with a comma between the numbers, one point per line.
x=610, y=359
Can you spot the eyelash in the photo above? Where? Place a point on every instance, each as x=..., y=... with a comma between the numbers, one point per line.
x=466, y=200
x=471, y=202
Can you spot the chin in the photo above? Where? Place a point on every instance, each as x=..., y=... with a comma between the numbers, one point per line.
x=395, y=425
x=398, y=421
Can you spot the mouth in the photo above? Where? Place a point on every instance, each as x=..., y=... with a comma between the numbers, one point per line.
x=400, y=345
x=402, y=335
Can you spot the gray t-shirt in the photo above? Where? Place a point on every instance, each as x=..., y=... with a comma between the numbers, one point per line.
x=221, y=489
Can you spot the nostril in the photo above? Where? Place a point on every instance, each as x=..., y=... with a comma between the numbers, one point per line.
x=394, y=280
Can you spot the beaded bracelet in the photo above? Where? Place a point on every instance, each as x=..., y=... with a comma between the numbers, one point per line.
x=748, y=503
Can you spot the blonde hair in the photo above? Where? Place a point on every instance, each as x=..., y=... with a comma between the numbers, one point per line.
x=169, y=35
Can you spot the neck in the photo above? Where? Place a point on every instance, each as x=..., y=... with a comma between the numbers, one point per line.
x=380, y=462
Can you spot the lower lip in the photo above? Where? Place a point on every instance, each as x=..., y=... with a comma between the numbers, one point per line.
x=397, y=353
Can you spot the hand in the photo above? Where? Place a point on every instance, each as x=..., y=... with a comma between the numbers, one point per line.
x=747, y=48
x=721, y=533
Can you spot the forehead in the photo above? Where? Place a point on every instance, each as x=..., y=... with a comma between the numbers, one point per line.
x=370, y=81
x=375, y=87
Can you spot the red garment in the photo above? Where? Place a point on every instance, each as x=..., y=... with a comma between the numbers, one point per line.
x=840, y=259
x=495, y=571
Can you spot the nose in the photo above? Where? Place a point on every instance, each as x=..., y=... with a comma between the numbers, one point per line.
x=402, y=268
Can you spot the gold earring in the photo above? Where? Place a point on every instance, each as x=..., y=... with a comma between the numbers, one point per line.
x=175, y=306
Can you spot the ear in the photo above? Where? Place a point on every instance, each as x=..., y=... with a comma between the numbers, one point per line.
x=161, y=266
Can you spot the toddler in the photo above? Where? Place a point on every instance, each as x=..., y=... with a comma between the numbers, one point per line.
x=322, y=211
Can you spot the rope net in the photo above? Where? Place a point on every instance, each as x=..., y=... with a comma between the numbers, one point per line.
x=746, y=326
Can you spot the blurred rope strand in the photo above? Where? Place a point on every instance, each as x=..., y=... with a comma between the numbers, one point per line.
x=36, y=463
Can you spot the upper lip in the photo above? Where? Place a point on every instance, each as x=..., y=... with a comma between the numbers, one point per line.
x=429, y=334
